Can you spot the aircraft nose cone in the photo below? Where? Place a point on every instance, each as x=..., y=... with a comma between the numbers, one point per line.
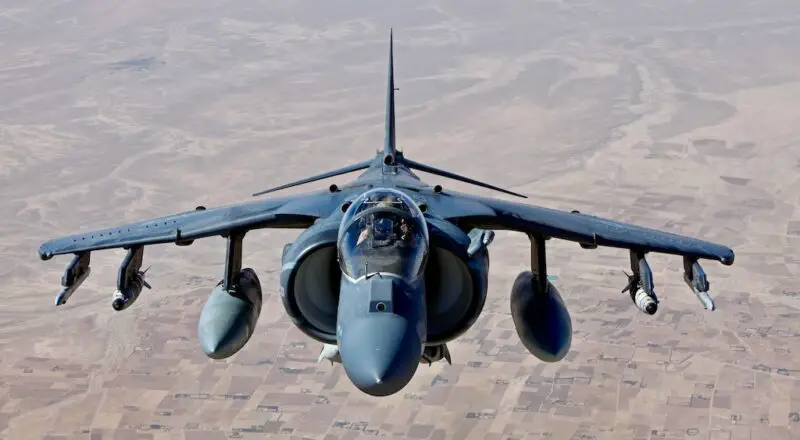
x=380, y=353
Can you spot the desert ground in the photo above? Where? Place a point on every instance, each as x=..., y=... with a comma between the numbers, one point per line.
x=675, y=115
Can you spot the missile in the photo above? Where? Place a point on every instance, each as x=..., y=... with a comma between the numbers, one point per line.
x=121, y=300
x=646, y=277
x=645, y=302
x=640, y=285
x=695, y=278
x=640, y=298
x=67, y=291
x=74, y=275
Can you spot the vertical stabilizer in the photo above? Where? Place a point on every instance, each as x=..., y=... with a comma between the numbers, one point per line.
x=390, y=156
x=389, y=146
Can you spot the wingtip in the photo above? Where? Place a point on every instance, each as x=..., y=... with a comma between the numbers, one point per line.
x=44, y=253
x=728, y=258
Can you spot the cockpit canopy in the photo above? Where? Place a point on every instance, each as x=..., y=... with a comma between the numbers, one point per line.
x=384, y=231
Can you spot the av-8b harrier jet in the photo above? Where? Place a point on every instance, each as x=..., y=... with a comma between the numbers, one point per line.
x=387, y=269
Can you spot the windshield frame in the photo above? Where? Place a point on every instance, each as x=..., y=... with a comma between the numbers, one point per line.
x=356, y=256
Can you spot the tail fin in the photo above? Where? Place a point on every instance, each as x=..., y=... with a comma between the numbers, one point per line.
x=390, y=154
x=389, y=149
x=389, y=145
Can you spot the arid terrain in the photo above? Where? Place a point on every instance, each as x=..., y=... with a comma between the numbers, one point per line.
x=676, y=115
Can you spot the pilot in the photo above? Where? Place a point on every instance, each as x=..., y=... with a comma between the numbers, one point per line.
x=383, y=228
x=366, y=229
x=405, y=230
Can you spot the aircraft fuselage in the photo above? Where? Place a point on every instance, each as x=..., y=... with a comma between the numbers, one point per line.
x=392, y=304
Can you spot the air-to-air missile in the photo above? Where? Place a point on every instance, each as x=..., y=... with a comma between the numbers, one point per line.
x=695, y=278
x=74, y=275
x=642, y=278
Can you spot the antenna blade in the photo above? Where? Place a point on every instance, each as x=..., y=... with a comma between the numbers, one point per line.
x=429, y=169
x=348, y=169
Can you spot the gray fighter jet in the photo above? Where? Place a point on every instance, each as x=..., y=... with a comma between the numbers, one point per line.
x=387, y=269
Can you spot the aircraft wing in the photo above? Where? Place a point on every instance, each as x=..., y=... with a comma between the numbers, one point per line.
x=487, y=213
x=290, y=212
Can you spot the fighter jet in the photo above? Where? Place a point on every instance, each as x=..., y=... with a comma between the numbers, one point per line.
x=387, y=269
